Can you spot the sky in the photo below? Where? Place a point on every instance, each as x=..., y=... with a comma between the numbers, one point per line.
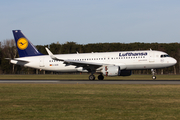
x=91, y=21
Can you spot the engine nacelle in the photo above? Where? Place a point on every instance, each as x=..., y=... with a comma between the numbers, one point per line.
x=111, y=70
x=125, y=73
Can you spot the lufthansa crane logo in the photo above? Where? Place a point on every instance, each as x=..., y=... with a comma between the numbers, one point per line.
x=22, y=43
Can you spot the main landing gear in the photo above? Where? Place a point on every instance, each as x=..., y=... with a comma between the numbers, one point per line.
x=153, y=74
x=100, y=77
x=92, y=77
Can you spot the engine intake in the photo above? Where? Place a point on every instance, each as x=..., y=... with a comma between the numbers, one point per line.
x=111, y=70
x=115, y=71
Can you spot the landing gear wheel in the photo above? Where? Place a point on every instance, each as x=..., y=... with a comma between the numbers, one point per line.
x=153, y=77
x=91, y=77
x=153, y=73
x=100, y=77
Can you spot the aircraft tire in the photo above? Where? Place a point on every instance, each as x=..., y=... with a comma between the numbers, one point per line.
x=100, y=77
x=153, y=77
x=91, y=77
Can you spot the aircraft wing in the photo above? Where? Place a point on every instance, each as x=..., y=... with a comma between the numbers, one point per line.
x=82, y=63
x=86, y=65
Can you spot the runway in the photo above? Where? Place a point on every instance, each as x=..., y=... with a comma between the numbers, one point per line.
x=169, y=82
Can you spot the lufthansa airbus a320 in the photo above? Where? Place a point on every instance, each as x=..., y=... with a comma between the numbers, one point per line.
x=119, y=63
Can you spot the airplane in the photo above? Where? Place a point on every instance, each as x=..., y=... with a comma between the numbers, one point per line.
x=119, y=63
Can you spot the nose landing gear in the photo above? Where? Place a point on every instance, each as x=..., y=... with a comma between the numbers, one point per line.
x=153, y=74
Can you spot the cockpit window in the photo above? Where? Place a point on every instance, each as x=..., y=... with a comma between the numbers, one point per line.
x=166, y=55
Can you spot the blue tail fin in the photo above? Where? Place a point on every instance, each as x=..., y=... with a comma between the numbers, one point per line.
x=24, y=46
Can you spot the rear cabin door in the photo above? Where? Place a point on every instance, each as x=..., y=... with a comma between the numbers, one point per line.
x=41, y=62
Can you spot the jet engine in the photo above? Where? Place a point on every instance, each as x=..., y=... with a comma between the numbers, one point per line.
x=111, y=70
x=115, y=71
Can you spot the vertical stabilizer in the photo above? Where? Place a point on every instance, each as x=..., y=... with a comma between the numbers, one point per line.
x=24, y=46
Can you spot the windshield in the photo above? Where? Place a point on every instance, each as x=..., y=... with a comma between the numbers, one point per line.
x=165, y=55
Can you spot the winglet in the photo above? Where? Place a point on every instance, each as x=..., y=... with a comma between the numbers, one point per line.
x=51, y=55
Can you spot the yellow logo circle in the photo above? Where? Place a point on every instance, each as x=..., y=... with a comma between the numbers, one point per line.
x=22, y=43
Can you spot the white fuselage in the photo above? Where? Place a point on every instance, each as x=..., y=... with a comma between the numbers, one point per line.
x=127, y=60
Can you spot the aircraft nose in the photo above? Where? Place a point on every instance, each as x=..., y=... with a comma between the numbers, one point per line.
x=173, y=61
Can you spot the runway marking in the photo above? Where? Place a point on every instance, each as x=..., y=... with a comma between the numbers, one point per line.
x=94, y=82
x=27, y=81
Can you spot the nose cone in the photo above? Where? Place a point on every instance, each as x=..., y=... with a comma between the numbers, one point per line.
x=173, y=61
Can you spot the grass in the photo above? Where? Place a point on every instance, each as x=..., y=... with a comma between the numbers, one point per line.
x=89, y=102
x=85, y=77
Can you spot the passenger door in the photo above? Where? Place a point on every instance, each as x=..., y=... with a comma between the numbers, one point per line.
x=41, y=62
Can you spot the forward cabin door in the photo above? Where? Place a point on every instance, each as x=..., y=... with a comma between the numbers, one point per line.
x=41, y=62
x=151, y=56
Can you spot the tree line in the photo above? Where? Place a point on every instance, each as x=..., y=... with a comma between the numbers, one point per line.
x=9, y=50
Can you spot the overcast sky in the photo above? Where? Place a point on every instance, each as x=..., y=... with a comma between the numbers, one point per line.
x=91, y=21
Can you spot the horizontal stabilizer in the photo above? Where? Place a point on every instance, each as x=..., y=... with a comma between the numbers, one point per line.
x=19, y=59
